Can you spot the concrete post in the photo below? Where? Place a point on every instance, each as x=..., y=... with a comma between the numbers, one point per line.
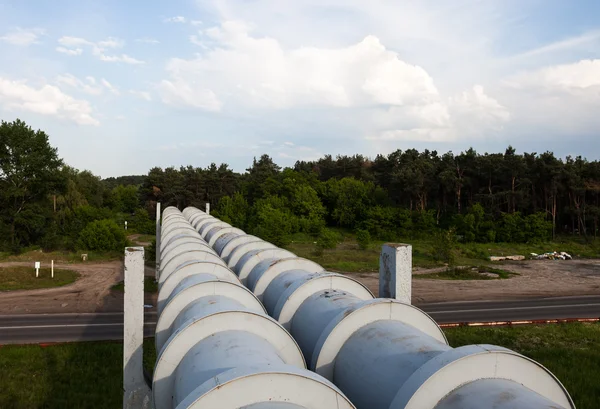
x=157, y=239
x=136, y=392
x=395, y=272
x=208, y=208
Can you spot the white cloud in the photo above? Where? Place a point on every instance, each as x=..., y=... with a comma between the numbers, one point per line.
x=72, y=46
x=110, y=87
x=23, y=37
x=578, y=76
x=69, y=51
x=87, y=86
x=176, y=19
x=259, y=72
x=73, y=41
x=46, y=100
x=141, y=94
x=196, y=22
x=120, y=58
x=393, y=98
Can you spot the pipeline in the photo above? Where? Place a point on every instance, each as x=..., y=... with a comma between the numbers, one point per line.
x=217, y=348
x=381, y=353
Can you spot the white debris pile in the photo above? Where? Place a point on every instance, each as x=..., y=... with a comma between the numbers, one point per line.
x=553, y=255
x=502, y=258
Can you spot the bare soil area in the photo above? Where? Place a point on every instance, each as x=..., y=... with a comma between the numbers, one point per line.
x=90, y=293
x=537, y=278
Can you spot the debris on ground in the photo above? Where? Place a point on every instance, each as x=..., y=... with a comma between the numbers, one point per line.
x=502, y=258
x=553, y=255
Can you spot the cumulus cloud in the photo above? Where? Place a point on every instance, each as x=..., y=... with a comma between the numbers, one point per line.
x=268, y=76
x=45, y=100
x=73, y=46
x=23, y=37
x=176, y=19
x=395, y=99
x=582, y=75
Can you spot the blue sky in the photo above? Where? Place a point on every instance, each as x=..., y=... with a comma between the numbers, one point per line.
x=124, y=86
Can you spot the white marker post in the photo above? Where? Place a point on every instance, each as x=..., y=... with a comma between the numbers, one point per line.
x=125, y=224
x=52, y=269
x=395, y=272
x=136, y=394
x=208, y=208
x=37, y=269
x=157, y=247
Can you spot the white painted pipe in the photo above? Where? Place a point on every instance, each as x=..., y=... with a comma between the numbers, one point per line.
x=385, y=354
x=217, y=347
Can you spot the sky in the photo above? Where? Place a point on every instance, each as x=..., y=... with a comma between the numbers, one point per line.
x=123, y=86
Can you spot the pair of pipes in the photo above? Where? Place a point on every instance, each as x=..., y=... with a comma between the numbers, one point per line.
x=380, y=353
x=216, y=346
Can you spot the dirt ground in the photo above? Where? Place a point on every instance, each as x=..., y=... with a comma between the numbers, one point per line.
x=537, y=278
x=90, y=293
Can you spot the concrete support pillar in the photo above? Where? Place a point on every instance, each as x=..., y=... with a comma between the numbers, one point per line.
x=158, y=230
x=207, y=208
x=395, y=272
x=136, y=393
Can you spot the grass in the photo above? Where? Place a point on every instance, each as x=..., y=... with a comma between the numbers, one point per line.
x=570, y=351
x=348, y=257
x=468, y=273
x=89, y=375
x=77, y=375
x=23, y=278
x=64, y=257
x=145, y=238
x=150, y=285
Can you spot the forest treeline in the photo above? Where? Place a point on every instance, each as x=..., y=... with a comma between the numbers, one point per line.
x=499, y=197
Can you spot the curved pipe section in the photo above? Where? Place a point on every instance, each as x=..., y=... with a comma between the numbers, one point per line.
x=216, y=345
x=383, y=354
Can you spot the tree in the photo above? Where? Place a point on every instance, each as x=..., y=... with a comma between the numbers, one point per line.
x=29, y=173
x=102, y=235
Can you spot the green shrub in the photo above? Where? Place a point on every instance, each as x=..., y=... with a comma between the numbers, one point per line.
x=102, y=235
x=443, y=246
x=328, y=239
x=363, y=238
x=150, y=254
x=142, y=223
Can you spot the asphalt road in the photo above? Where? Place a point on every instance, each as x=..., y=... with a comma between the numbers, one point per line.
x=42, y=328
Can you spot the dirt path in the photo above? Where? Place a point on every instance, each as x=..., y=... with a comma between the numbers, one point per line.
x=90, y=293
x=538, y=278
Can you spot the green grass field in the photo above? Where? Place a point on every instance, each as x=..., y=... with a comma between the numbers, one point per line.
x=23, y=278
x=569, y=351
x=89, y=375
x=348, y=257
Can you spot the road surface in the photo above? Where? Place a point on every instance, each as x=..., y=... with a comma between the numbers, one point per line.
x=42, y=328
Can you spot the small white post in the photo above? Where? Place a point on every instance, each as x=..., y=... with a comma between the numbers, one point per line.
x=52, y=269
x=37, y=269
x=157, y=239
x=136, y=392
x=125, y=224
x=208, y=208
x=395, y=272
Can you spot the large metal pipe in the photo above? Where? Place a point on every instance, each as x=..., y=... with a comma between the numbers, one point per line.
x=216, y=346
x=384, y=354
